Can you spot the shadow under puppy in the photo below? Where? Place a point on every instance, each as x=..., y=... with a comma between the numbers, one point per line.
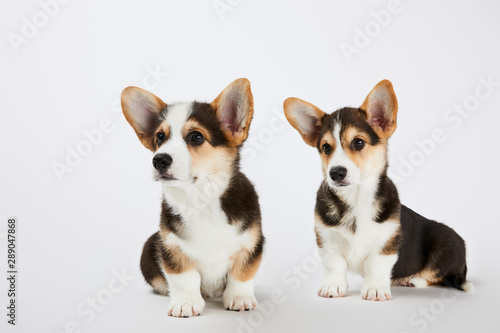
x=210, y=240
x=359, y=222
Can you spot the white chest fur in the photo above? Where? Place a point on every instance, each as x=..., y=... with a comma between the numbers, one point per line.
x=208, y=239
x=369, y=236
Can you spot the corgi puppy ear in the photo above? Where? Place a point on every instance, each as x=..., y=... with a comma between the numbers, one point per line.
x=381, y=106
x=305, y=118
x=142, y=110
x=234, y=109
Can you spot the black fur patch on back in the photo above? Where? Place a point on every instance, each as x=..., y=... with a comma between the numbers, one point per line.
x=206, y=116
x=430, y=245
x=240, y=202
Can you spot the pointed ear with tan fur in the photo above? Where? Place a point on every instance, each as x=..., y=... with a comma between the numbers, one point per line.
x=234, y=108
x=305, y=118
x=381, y=106
x=142, y=110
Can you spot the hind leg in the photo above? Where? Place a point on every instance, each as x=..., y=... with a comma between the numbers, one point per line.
x=151, y=271
x=419, y=282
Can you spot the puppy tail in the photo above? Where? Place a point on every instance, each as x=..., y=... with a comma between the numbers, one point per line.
x=458, y=281
x=468, y=287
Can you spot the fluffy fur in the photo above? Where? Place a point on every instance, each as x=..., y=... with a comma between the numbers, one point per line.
x=210, y=240
x=359, y=221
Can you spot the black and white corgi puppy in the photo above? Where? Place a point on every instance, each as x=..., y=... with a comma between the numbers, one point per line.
x=360, y=224
x=210, y=240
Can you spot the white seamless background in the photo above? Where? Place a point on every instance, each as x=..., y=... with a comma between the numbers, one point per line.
x=64, y=64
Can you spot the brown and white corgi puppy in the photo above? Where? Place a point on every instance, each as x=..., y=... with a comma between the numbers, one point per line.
x=210, y=240
x=360, y=224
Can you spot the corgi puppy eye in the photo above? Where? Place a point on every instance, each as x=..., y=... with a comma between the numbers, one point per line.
x=160, y=138
x=358, y=144
x=327, y=148
x=195, y=138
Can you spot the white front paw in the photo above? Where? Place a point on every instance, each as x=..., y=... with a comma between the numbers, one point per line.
x=239, y=302
x=185, y=307
x=376, y=292
x=331, y=290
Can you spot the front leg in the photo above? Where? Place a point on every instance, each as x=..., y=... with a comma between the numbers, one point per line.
x=185, y=296
x=239, y=292
x=335, y=268
x=184, y=282
x=378, y=273
x=239, y=295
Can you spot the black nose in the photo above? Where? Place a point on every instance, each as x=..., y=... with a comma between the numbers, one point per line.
x=161, y=162
x=338, y=173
